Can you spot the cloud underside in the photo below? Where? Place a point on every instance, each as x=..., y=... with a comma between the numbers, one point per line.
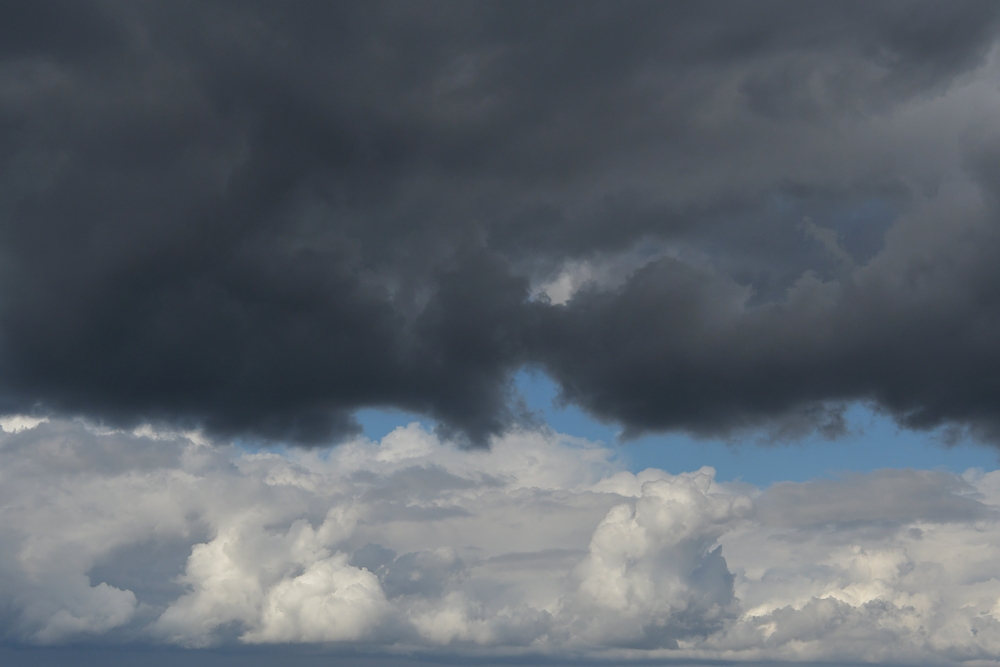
x=257, y=218
x=542, y=546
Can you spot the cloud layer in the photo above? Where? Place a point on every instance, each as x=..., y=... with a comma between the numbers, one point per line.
x=258, y=217
x=243, y=222
x=540, y=547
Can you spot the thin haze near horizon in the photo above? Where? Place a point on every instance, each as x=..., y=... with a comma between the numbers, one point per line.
x=235, y=235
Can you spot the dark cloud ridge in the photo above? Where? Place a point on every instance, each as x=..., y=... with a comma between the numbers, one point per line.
x=261, y=217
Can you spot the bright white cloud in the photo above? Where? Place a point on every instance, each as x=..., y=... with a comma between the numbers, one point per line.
x=541, y=545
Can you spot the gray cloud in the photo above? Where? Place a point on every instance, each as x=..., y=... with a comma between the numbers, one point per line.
x=260, y=217
x=884, y=496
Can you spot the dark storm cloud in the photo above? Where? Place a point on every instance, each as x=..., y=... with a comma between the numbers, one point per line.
x=260, y=217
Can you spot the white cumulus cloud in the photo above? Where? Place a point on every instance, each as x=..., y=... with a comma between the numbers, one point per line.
x=542, y=545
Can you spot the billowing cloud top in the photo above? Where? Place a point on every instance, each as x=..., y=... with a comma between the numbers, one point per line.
x=258, y=217
x=541, y=547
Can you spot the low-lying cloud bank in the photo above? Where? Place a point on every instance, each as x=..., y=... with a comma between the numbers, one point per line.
x=542, y=545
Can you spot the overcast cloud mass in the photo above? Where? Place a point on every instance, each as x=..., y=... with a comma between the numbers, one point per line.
x=256, y=218
x=226, y=227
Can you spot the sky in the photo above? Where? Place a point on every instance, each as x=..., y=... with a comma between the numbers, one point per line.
x=426, y=332
x=871, y=441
